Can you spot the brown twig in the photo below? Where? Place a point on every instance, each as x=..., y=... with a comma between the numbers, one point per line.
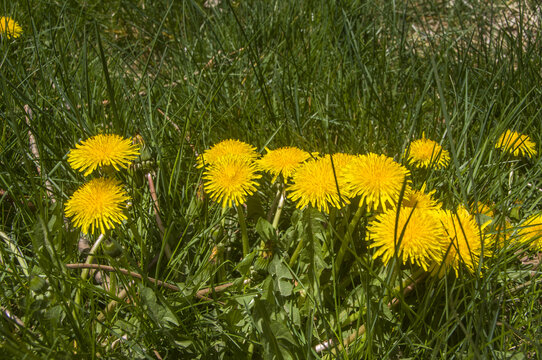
x=159, y=222
x=122, y=271
x=35, y=152
x=200, y=294
x=11, y=317
x=156, y=207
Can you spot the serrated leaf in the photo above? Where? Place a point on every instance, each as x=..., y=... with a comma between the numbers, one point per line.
x=266, y=231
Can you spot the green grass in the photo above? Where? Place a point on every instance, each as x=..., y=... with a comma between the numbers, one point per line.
x=326, y=76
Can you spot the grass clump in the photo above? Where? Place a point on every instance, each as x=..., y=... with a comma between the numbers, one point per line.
x=292, y=180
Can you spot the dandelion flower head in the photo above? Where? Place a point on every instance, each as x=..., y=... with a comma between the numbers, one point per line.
x=97, y=205
x=426, y=153
x=499, y=233
x=482, y=208
x=420, y=199
x=230, y=179
x=531, y=232
x=464, y=240
x=226, y=148
x=315, y=184
x=517, y=144
x=377, y=178
x=102, y=150
x=416, y=236
x=284, y=160
x=10, y=27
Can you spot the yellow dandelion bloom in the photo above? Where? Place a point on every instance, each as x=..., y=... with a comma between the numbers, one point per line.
x=426, y=153
x=102, y=150
x=226, y=148
x=340, y=162
x=10, y=27
x=419, y=199
x=531, y=232
x=517, y=144
x=482, y=208
x=416, y=236
x=464, y=240
x=283, y=161
x=499, y=233
x=377, y=178
x=230, y=179
x=97, y=205
x=315, y=183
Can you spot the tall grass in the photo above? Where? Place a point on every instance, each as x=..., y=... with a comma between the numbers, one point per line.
x=326, y=76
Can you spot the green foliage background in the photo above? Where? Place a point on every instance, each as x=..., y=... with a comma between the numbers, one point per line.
x=326, y=76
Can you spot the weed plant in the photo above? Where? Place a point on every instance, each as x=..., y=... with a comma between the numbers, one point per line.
x=177, y=275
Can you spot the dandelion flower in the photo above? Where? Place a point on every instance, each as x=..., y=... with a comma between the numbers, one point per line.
x=377, y=178
x=316, y=184
x=225, y=148
x=416, y=236
x=97, y=205
x=283, y=161
x=531, y=232
x=426, y=153
x=482, y=208
x=464, y=240
x=419, y=199
x=10, y=27
x=516, y=144
x=102, y=150
x=230, y=179
x=499, y=233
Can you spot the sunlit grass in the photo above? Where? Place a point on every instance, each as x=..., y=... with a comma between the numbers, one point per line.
x=181, y=276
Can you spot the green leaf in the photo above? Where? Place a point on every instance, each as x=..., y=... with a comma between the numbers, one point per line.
x=266, y=231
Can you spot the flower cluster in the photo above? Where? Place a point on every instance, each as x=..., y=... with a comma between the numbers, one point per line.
x=98, y=204
x=407, y=224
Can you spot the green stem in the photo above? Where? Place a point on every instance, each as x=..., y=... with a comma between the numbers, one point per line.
x=407, y=286
x=348, y=236
x=329, y=230
x=84, y=273
x=280, y=205
x=90, y=256
x=244, y=234
x=297, y=251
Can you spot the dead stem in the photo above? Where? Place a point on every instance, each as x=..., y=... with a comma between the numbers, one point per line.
x=35, y=152
x=156, y=208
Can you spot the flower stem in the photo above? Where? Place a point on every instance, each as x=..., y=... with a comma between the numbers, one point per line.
x=348, y=236
x=297, y=251
x=90, y=256
x=244, y=234
x=280, y=205
x=84, y=273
